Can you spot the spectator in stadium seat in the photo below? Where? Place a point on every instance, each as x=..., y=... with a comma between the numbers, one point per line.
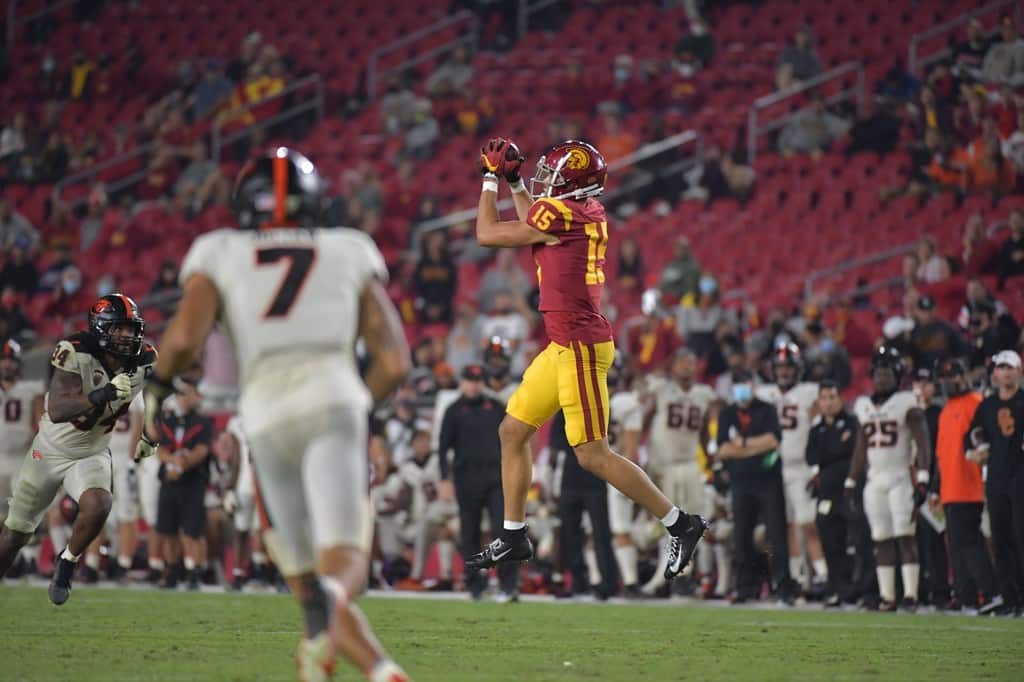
x=247, y=55
x=629, y=275
x=989, y=332
x=1004, y=61
x=15, y=227
x=12, y=315
x=14, y=137
x=464, y=339
x=166, y=283
x=880, y=131
x=53, y=160
x=435, y=280
x=423, y=134
x=211, y=92
x=615, y=142
x=899, y=86
x=81, y=69
x=397, y=107
x=1011, y=255
x=67, y=299
x=1013, y=145
x=969, y=55
x=452, y=76
x=651, y=343
x=988, y=172
x=933, y=339
x=697, y=323
x=159, y=179
x=980, y=254
x=798, y=62
x=812, y=130
x=932, y=266
x=699, y=44
x=681, y=275
x=930, y=113
x=201, y=183
x=504, y=275
x=19, y=271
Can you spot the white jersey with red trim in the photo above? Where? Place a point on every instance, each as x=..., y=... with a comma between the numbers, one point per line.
x=121, y=438
x=90, y=433
x=289, y=302
x=678, y=418
x=890, y=447
x=17, y=427
x=794, y=407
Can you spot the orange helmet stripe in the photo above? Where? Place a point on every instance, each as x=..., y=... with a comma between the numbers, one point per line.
x=280, y=189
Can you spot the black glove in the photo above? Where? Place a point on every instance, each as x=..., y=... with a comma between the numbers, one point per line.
x=814, y=485
x=920, y=494
x=720, y=479
x=852, y=504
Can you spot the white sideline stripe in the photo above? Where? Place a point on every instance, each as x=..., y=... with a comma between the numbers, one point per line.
x=863, y=626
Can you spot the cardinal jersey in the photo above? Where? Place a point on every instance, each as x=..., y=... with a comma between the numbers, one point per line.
x=90, y=433
x=678, y=417
x=17, y=427
x=886, y=433
x=121, y=437
x=625, y=414
x=290, y=305
x=794, y=407
x=571, y=273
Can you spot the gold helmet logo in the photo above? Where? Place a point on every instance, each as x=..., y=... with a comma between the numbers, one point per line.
x=578, y=159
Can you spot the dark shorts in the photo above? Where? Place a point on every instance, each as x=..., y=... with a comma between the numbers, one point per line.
x=182, y=509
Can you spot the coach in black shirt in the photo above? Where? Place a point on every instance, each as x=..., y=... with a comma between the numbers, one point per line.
x=829, y=451
x=185, y=439
x=469, y=429
x=582, y=491
x=995, y=438
x=748, y=439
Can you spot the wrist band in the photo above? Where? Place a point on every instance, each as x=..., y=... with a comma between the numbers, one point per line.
x=923, y=477
x=490, y=185
x=517, y=187
x=849, y=484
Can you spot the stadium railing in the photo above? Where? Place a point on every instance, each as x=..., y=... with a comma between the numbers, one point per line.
x=312, y=84
x=854, y=264
x=935, y=44
x=667, y=156
x=14, y=21
x=376, y=73
x=760, y=123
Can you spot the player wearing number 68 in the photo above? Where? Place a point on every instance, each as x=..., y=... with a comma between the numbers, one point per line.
x=560, y=219
x=294, y=298
x=94, y=376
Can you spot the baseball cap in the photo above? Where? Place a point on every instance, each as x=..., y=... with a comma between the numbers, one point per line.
x=473, y=373
x=924, y=374
x=1006, y=357
x=926, y=303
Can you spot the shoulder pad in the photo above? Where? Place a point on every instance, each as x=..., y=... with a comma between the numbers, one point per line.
x=147, y=356
x=84, y=342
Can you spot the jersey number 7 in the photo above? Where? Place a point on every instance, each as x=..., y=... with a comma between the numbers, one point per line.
x=300, y=261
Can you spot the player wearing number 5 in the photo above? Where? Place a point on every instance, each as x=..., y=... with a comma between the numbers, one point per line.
x=892, y=428
x=565, y=226
x=95, y=375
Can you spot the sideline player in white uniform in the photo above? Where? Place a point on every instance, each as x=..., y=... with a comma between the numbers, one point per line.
x=431, y=516
x=240, y=504
x=293, y=300
x=95, y=376
x=678, y=419
x=796, y=402
x=21, y=405
x=891, y=423
x=625, y=429
x=126, y=485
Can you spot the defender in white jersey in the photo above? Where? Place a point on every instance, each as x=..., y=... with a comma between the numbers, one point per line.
x=625, y=429
x=796, y=402
x=21, y=405
x=240, y=503
x=95, y=376
x=293, y=300
x=892, y=426
x=678, y=420
x=126, y=482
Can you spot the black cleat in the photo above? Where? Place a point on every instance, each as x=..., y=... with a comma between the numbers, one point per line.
x=632, y=592
x=60, y=586
x=908, y=605
x=501, y=552
x=682, y=546
x=89, y=576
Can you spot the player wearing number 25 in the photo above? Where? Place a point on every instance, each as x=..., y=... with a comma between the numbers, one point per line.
x=95, y=375
x=566, y=228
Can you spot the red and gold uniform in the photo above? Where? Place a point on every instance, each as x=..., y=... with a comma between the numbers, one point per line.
x=571, y=373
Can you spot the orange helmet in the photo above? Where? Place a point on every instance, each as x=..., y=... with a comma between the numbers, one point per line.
x=570, y=170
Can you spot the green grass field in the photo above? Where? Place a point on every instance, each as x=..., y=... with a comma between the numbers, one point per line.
x=108, y=634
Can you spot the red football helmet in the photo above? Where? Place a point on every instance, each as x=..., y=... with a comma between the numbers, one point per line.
x=570, y=170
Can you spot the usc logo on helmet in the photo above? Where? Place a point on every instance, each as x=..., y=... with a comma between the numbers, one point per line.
x=577, y=159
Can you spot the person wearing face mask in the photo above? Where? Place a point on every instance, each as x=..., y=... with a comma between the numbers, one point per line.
x=961, y=493
x=697, y=323
x=749, y=435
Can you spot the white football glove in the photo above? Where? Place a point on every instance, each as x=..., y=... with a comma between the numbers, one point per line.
x=122, y=383
x=230, y=502
x=145, y=448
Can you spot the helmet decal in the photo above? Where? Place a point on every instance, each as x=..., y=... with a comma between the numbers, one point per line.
x=577, y=159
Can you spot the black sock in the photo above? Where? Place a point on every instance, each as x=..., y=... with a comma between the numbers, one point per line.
x=513, y=536
x=683, y=524
x=316, y=606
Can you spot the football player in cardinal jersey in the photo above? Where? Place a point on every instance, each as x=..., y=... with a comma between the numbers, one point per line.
x=796, y=402
x=95, y=376
x=294, y=299
x=892, y=427
x=565, y=226
x=22, y=404
x=625, y=430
